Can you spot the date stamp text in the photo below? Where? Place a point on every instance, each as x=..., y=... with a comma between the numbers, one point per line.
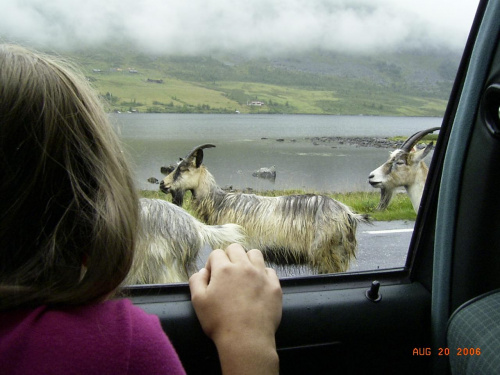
x=447, y=351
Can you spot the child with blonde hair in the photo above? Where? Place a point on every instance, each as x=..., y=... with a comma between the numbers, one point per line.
x=68, y=225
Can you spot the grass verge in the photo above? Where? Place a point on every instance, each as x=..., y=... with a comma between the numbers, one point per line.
x=361, y=202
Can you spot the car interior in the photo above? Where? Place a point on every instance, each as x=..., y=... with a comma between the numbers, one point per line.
x=430, y=316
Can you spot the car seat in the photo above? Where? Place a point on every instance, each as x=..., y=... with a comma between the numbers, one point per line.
x=474, y=336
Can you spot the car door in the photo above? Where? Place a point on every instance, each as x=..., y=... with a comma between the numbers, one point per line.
x=394, y=320
x=466, y=259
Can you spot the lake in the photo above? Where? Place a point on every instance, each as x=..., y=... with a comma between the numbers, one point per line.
x=245, y=143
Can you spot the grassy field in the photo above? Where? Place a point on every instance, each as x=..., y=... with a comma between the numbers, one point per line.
x=425, y=140
x=173, y=84
x=132, y=92
x=361, y=202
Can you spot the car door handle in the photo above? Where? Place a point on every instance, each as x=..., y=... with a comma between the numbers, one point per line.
x=491, y=109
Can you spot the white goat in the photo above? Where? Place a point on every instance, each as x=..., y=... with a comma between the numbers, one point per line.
x=405, y=168
x=169, y=242
x=312, y=230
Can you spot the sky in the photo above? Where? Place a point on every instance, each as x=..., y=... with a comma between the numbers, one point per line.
x=255, y=27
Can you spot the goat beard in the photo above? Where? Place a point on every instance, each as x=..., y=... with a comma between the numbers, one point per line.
x=385, y=198
x=177, y=197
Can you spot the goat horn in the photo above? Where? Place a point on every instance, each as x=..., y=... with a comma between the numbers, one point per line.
x=197, y=153
x=201, y=147
x=412, y=141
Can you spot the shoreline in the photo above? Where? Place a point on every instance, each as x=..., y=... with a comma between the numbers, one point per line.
x=379, y=142
x=335, y=142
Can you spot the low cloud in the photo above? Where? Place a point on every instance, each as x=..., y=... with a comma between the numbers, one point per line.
x=255, y=27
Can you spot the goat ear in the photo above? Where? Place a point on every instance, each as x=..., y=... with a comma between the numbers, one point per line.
x=199, y=157
x=197, y=154
x=195, y=158
x=421, y=154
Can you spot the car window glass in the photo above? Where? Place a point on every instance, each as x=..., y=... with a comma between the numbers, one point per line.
x=303, y=98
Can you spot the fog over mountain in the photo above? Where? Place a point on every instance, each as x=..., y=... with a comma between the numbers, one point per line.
x=251, y=27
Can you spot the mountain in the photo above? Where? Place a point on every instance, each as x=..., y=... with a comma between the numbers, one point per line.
x=407, y=83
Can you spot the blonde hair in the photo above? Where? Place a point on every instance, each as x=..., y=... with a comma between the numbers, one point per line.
x=67, y=197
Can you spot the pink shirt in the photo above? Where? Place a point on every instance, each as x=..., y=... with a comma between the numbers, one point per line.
x=113, y=337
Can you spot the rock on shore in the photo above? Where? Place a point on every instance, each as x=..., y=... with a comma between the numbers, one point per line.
x=357, y=141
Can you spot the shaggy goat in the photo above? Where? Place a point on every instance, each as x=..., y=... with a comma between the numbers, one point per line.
x=169, y=242
x=312, y=230
x=406, y=168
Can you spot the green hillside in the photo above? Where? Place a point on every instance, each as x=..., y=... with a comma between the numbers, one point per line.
x=405, y=84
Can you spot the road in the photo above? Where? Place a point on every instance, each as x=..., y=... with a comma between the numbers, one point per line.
x=383, y=244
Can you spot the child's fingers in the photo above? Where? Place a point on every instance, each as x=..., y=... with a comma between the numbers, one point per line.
x=236, y=253
x=256, y=258
x=198, y=282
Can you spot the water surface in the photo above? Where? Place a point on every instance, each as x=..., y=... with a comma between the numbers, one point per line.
x=245, y=143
